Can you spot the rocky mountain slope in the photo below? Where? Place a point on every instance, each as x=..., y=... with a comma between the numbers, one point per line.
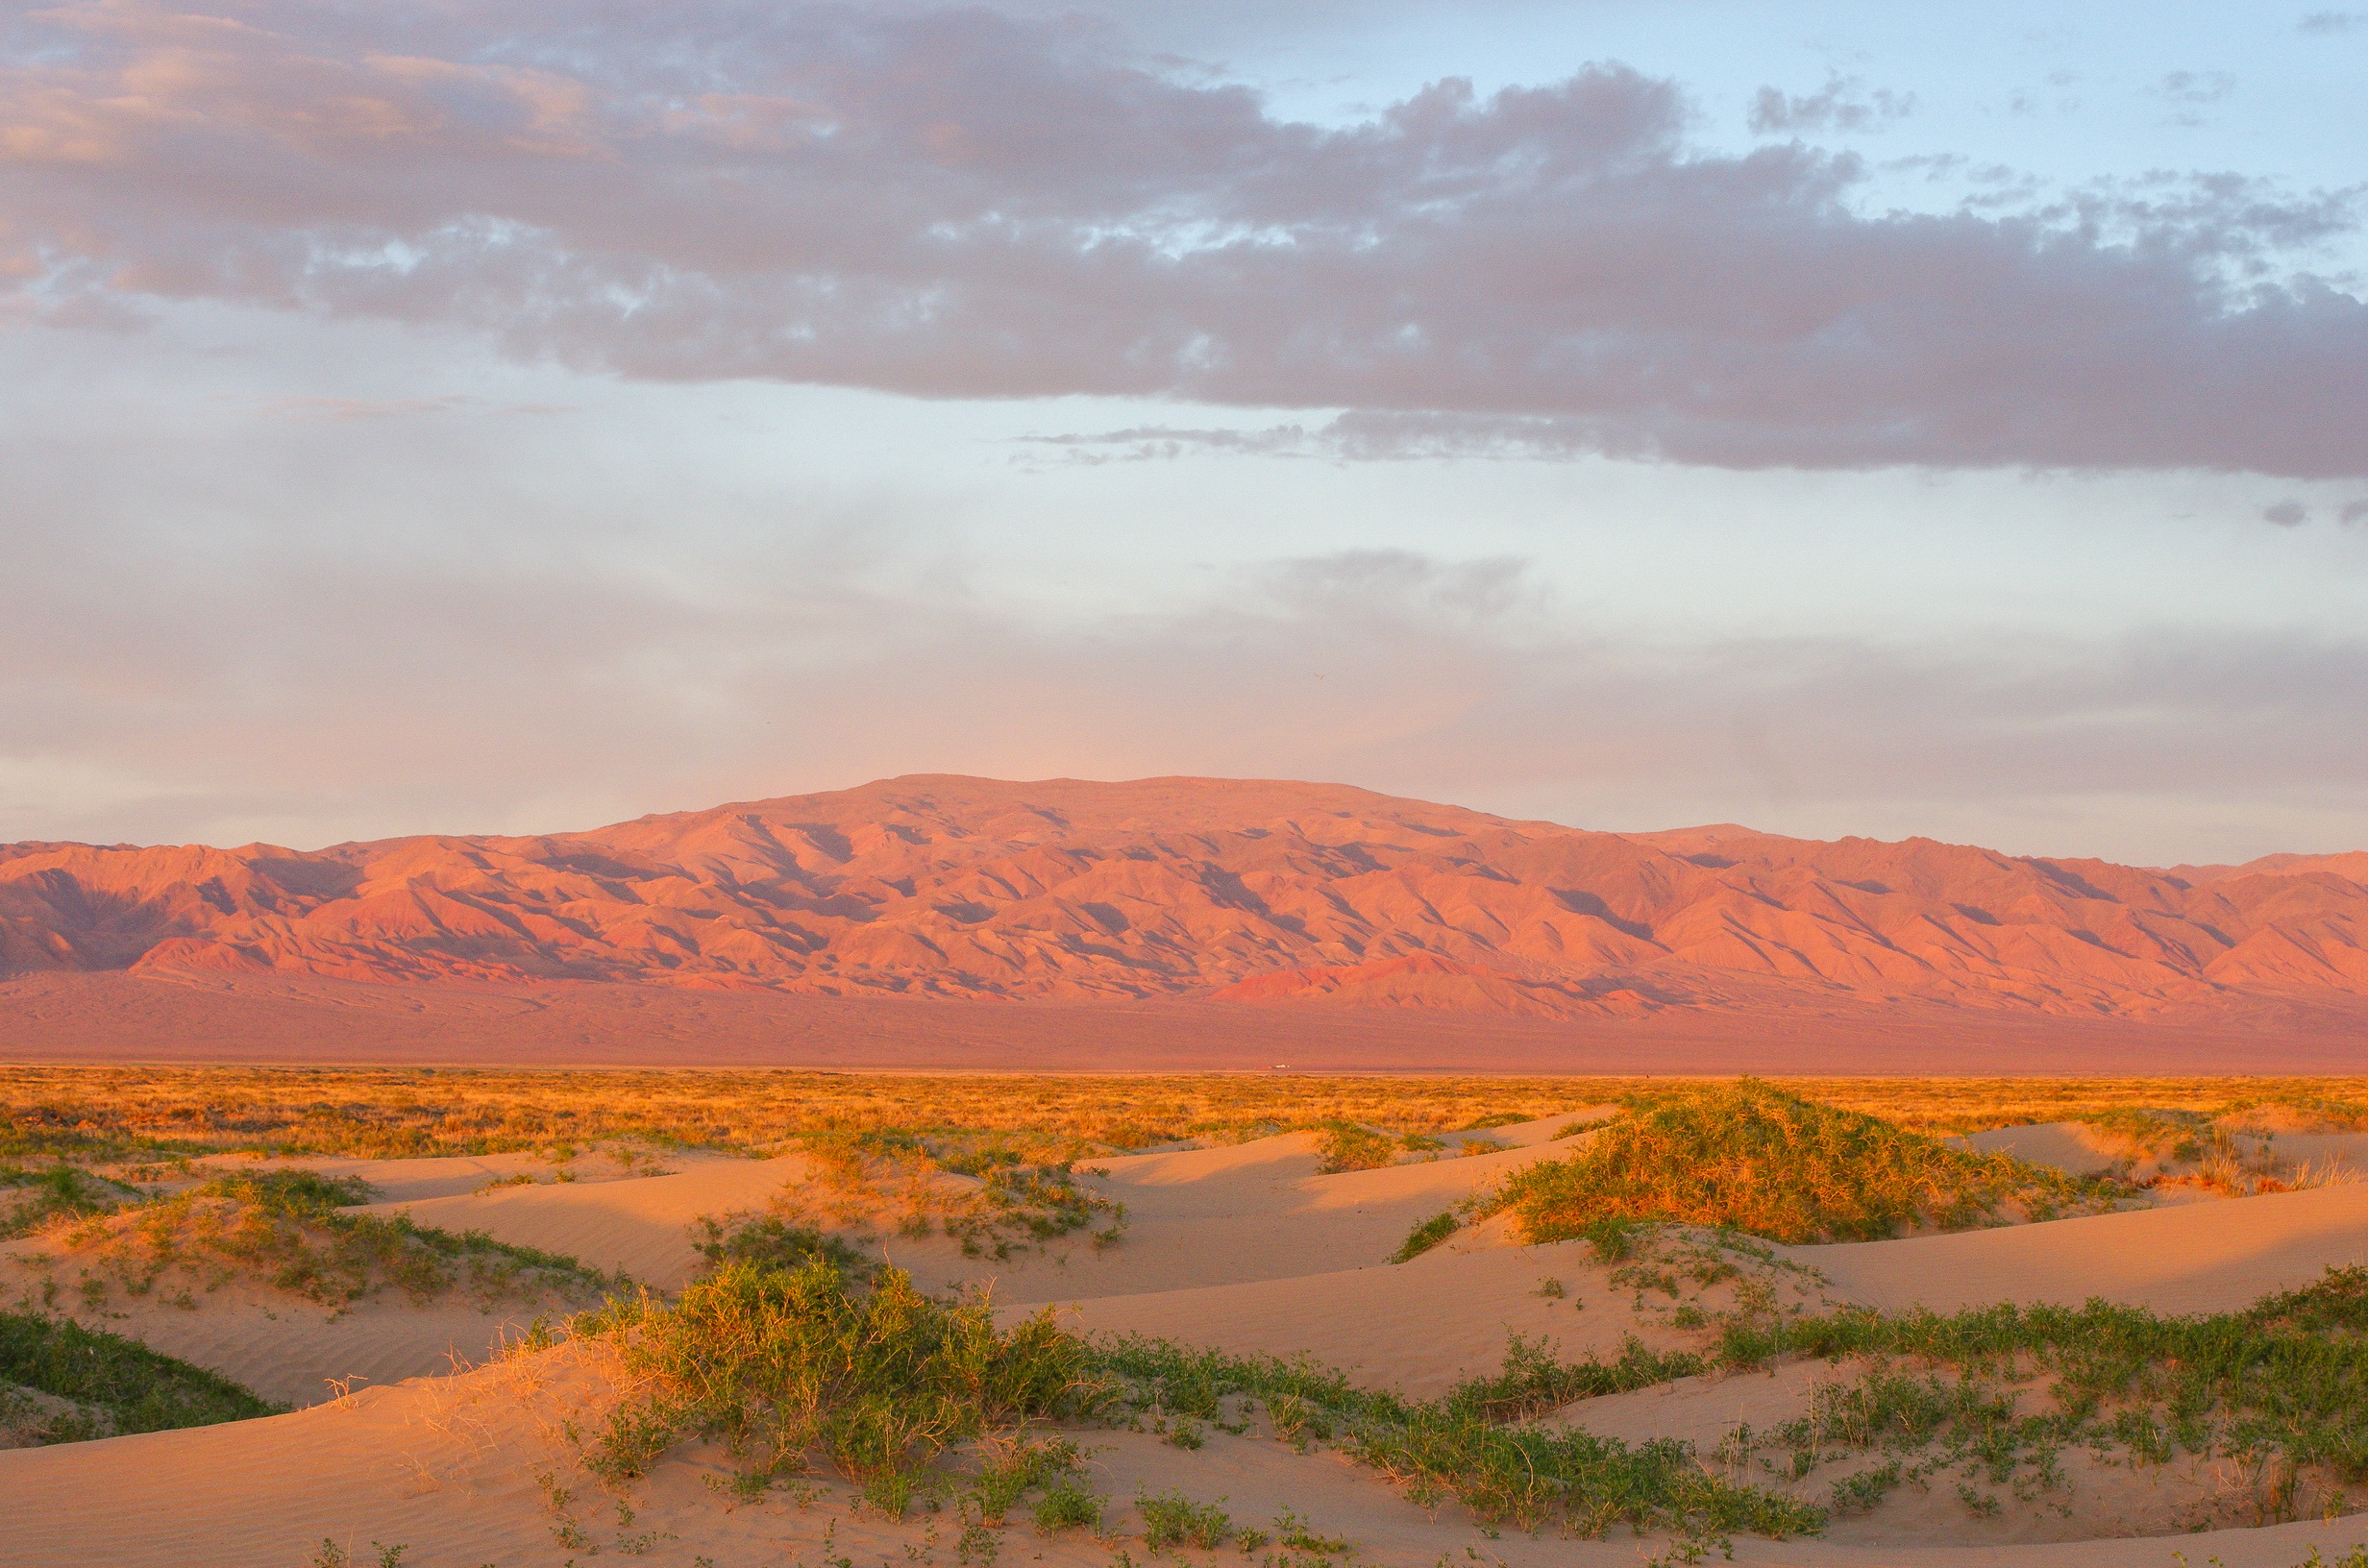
x=1242, y=892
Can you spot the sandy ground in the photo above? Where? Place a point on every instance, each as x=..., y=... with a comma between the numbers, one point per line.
x=1247, y=1248
x=636, y=1227
x=447, y=1469
x=2188, y=1258
x=2082, y=1150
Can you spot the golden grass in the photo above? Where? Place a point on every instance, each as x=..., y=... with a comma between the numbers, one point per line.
x=100, y=1114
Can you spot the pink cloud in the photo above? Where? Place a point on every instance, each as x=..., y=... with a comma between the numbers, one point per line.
x=961, y=204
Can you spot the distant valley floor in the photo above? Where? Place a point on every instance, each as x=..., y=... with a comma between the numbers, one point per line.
x=89, y=1017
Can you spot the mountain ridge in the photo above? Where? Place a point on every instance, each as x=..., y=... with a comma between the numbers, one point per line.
x=1234, y=892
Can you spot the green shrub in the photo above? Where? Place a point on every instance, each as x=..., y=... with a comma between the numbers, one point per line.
x=1751, y=1158
x=2289, y=1374
x=785, y=1362
x=1066, y=1504
x=1020, y=1468
x=1533, y=1381
x=1343, y=1145
x=769, y=1241
x=1173, y=1519
x=1425, y=1236
x=136, y=1388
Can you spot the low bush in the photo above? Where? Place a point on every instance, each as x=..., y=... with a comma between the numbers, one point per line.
x=781, y=1365
x=1425, y=1236
x=1343, y=1145
x=1752, y=1158
x=1067, y=1505
x=770, y=1241
x=135, y=1388
x=1172, y=1520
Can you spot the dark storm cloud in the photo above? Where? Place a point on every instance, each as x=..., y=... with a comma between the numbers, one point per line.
x=962, y=204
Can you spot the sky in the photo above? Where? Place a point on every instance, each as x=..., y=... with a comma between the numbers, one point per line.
x=1839, y=419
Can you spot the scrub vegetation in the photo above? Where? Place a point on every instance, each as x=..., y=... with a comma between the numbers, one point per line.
x=1749, y=1157
x=293, y=1231
x=63, y=1382
x=783, y=1364
x=101, y=1115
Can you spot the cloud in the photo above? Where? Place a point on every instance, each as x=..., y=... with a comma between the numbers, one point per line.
x=2191, y=92
x=2328, y=23
x=956, y=204
x=1841, y=105
x=2196, y=86
x=2287, y=514
x=2353, y=511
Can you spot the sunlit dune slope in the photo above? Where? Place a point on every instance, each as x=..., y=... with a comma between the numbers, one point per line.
x=639, y=1227
x=1257, y=892
x=2212, y=1257
x=1248, y=1211
x=447, y=1468
x=1444, y=1316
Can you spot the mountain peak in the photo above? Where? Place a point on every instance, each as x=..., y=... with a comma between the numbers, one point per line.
x=1238, y=892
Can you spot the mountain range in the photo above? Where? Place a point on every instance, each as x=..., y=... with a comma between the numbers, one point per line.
x=1242, y=893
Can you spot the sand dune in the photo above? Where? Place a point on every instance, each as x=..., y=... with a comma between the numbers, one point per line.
x=2072, y=1146
x=1421, y=1327
x=639, y=1227
x=1253, y=1211
x=2199, y=1258
x=1245, y=1247
x=446, y=1468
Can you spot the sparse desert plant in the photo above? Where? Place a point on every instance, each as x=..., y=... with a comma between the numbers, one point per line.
x=1006, y=1206
x=1291, y=1529
x=1067, y=1505
x=1533, y=1381
x=1425, y=1236
x=1016, y=1466
x=1749, y=1157
x=782, y=1365
x=154, y=1115
x=290, y=1229
x=133, y=1388
x=1173, y=1519
x=1344, y=1147
x=60, y=1194
x=1459, y=1447
x=2287, y=1377
x=772, y=1241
